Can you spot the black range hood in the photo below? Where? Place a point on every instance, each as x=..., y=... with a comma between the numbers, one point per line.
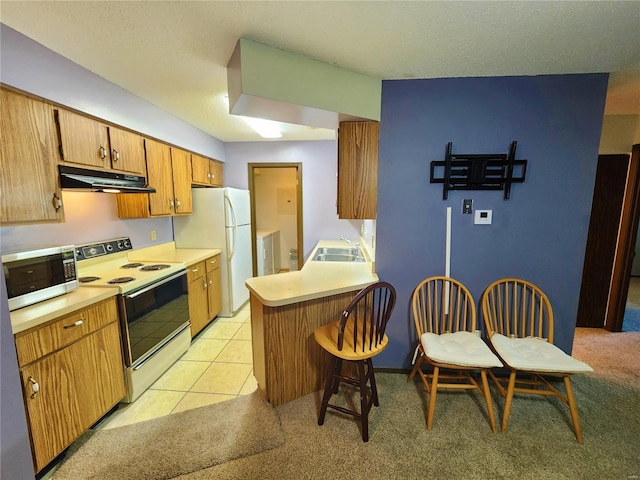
x=82, y=179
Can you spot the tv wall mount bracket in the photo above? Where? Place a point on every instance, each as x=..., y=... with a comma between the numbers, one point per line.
x=477, y=171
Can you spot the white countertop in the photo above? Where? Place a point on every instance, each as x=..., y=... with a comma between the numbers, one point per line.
x=315, y=280
x=39, y=313
x=167, y=252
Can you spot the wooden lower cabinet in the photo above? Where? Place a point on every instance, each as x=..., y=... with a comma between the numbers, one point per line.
x=68, y=390
x=287, y=361
x=205, y=292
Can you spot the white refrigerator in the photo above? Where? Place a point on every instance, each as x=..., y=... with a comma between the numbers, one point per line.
x=221, y=219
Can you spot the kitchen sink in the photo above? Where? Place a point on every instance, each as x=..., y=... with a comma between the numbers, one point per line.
x=337, y=254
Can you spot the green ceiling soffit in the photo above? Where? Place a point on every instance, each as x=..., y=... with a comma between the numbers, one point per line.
x=267, y=82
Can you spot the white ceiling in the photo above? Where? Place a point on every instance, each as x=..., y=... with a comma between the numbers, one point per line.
x=174, y=54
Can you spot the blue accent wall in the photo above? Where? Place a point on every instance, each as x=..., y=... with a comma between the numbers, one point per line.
x=539, y=234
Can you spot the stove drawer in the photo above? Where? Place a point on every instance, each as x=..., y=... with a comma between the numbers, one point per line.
x=48, y=338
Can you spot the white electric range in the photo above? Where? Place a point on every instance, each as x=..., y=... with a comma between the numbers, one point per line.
x=153, y=306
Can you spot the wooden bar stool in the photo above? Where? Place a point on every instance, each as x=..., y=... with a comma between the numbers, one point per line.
x=357, y=337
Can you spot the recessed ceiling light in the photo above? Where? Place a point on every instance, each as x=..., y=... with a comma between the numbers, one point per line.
x=265, y=128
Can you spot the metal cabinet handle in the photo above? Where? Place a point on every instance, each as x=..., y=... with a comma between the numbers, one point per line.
x=194, y=270
x=210, y=282
x=103, y=152
x=115, y=156
x=170, y=203
x=35, y=388
x=75, y=324
x=177, y=203
x=205, y=284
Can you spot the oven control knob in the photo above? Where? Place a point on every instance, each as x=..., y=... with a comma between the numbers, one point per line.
x=120, y=245
x=109, y=247
x=93, y=250
x=127, y=244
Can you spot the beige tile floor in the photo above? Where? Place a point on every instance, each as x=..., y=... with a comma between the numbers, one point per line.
x=217, y=367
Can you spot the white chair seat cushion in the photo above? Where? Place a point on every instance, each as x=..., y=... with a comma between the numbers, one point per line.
x=460, y=348
x=536, y=354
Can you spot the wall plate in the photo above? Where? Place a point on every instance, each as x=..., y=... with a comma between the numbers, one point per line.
x=483, y=217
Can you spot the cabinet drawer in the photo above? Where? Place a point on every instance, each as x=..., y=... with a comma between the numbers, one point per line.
x=212, y=263
x=197, y=270
x=42, y=340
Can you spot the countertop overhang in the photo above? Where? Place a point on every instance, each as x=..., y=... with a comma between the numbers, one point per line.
x=314, y=280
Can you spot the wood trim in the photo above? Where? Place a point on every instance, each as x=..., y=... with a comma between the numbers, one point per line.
x=626, y=245
x=299, y=233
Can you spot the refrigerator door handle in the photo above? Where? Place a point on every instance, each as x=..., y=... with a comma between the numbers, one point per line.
x=232, y=249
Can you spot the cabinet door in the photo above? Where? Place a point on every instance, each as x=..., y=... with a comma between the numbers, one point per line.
x=127, y=151
x=358, y=169
x=76, y=386
x=181, y=165
x=200, y=166
x=198, y=305
x=214, y=288
x=83, y=140
x=214, y=292
x=28, y=161
x=160, y=177
x=216, y=173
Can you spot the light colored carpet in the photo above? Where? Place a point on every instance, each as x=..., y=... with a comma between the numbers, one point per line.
x=176, y=444
x=539, y=444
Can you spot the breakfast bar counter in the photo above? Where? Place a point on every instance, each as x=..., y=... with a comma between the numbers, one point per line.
x=286, y=308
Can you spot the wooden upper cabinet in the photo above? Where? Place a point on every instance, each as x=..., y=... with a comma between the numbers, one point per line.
x=160, y=177
x=169, y=172
x=216, y=171
x=181, y=166
x=127, y=151
x=207, y=172
x=358, y=169
x=91, y=143
x=28, y=161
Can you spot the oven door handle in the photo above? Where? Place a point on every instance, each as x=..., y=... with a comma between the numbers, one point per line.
x=155, y=284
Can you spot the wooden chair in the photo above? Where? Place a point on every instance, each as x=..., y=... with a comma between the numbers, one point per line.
x=357, y=337
x=519, y=322
x=444, y=314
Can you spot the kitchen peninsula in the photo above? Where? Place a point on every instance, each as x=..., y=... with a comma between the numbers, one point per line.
x=285, y=310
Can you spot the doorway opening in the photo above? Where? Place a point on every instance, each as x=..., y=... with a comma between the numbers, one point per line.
x=276, y=216
x=611, y=242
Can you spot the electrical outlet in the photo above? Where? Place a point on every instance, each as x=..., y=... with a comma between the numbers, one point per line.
x=467, y=206
x=153, y=235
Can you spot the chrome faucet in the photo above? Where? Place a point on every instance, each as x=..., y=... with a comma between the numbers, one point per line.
x=349, y=242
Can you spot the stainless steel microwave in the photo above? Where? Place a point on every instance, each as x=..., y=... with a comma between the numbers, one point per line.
x=37, y=275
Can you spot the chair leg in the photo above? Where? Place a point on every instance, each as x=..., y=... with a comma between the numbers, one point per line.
x=329, y=386
x=415, y=368
x=336, y=373
x=508, y=400
x=573, y=408
x=372, y=380
x=432, y=397
x=487, y=396
x=364, y=403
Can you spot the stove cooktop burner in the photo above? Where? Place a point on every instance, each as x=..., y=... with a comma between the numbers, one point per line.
x=160, y=266
x=88, y=279
x=132, y=265
x=121, y=280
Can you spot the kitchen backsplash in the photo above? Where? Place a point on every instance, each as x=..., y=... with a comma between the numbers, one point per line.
x=89, y=217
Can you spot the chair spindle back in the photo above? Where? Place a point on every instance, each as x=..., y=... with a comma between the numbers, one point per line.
x=367, y=315
x=517, y=308
x=443, y=305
